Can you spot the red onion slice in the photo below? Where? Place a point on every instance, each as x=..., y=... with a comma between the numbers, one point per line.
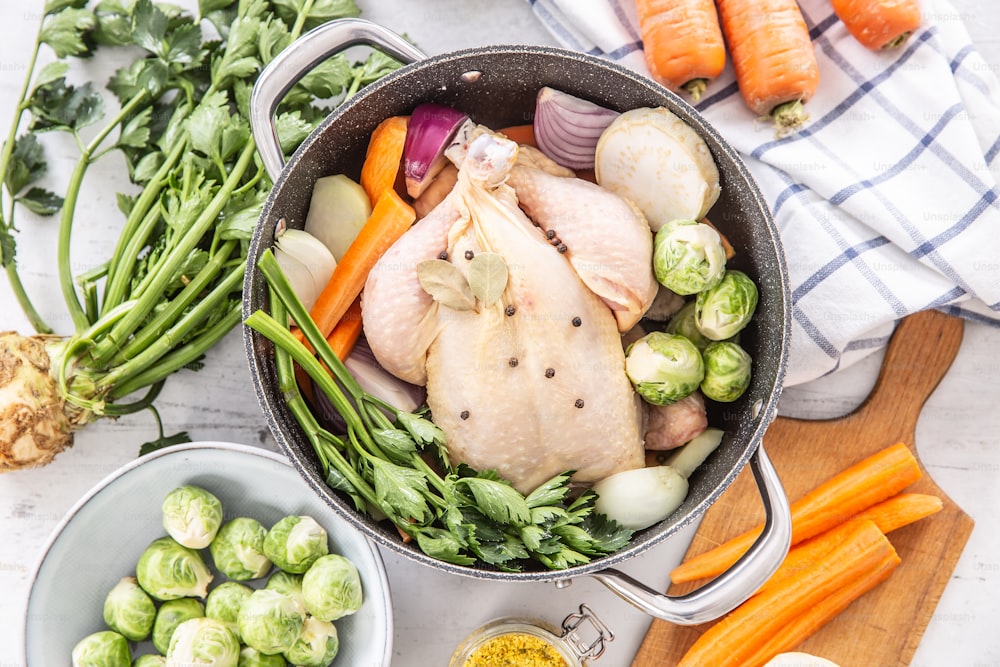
x=567, y=127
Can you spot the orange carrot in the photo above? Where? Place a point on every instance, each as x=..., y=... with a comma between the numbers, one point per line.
x=521, y=134
x=682, y=42
x=773, y=57
x=849, y=492
x=779, y=619
x=889, y=515
x=347, y=331
x=381, y=167
x=879, y=24
x=390, y=217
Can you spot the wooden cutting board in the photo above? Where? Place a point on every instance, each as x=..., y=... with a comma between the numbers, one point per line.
x=883, y=627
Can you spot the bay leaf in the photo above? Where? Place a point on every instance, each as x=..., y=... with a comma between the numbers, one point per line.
x=446, y=284
x=488, y=276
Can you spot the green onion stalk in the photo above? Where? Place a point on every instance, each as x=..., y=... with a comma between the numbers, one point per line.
x=171, y=288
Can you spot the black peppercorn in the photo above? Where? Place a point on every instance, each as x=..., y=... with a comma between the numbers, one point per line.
x=509, y=310
x=579, y=403
x=550, y=234
x=443, y=255
x=577, y=321
x=562, y=248
x=550, y=372
x=513, y=362
x=469, y=254
x=464, y=414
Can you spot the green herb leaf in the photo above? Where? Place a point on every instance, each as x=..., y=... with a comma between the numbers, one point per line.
x=149, y=27
x=66, y=29
x=27, y=164
x=56, y=105
x=488, y=277
x=8, y=246
x=396, y=443
x=607, y=535
x=423, y=430
x=164, y=441
x=320, y=12
x=272, y=39
x=446, y=284
x=292, y=129
x=135, y=133
x=40, y=201
x=498, y=500
x=182, y=46
x=146, y=168
x=150, y=74
x=54, y=70
x=401, y=489
x=551, y=492
x=114, y=23
x=440, y=544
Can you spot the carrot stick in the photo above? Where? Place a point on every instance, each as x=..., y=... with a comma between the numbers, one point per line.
x=381, y=167
x=520, y=134
x=773, y=57
x=390, y=217
x=784, y=616
x=889, y=515
x=879, y=24
x=347, y=331
x=870, y=481
x=682, y=42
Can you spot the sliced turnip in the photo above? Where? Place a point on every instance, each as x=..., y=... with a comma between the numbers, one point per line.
x=658, y=162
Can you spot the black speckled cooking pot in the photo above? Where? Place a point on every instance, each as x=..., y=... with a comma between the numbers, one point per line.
x=496, y=86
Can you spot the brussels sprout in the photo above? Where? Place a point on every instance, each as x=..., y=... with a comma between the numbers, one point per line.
x=251, y=657
x=295, y=542
x=727, y=371
x=287, y=583
x=332, y=588
x=128, y=610
x=224, y=601
x=317, y=646
x=663, y=367
x=683, y=323
x=238, y=549
x=102, y=649
x=168, y=571
x=270, y=621
x=149, y=660
x=688, y=256
x=723, y=311
x=192, y=516
x=171, y=614
x=203, y=641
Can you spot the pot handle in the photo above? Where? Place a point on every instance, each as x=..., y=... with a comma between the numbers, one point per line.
x=735, y=585
x=285, y=70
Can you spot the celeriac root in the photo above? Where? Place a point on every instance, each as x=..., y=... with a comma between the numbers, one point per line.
x=35, y=424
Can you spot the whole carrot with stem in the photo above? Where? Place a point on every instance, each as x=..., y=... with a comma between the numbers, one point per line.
x=879, y=24
x=773, y=58
x=682, y=42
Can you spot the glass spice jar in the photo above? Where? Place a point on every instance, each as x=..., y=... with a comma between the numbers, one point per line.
x=519, y=642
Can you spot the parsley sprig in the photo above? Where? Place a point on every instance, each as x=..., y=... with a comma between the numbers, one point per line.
x=192, y=188
x=397, y=465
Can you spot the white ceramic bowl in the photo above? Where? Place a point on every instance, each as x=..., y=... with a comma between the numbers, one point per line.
x=102, y=536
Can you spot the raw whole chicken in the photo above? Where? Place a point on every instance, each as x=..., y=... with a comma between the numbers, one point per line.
x=533, y=384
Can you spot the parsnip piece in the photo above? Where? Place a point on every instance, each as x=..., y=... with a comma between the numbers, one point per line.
x=338, y=209
x=657, y=161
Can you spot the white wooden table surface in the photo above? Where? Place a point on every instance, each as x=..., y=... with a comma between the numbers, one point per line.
x=957, y=435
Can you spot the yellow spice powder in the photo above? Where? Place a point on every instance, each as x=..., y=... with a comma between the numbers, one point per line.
x=515, y=649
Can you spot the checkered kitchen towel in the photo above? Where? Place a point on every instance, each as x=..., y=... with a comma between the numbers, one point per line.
x=886, y=201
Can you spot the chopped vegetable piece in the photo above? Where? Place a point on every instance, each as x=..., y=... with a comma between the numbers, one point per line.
x=384, y=158
x=782, y=617
x=682, y=42
x=523, y=135
x=430, y=131
x=641, y=497
x=338, y=209
x=658, y=162
x=852, y=490
x=567, y=128
x=390, y=218
x=347, y=331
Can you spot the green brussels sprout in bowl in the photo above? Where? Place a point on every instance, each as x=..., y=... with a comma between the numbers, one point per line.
x=203, y=641
x=109, y=529
x=192, y=516
x=688, y=256
x=270, y=622
x=129, y=611
x=295, y=542
x=238, y=549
